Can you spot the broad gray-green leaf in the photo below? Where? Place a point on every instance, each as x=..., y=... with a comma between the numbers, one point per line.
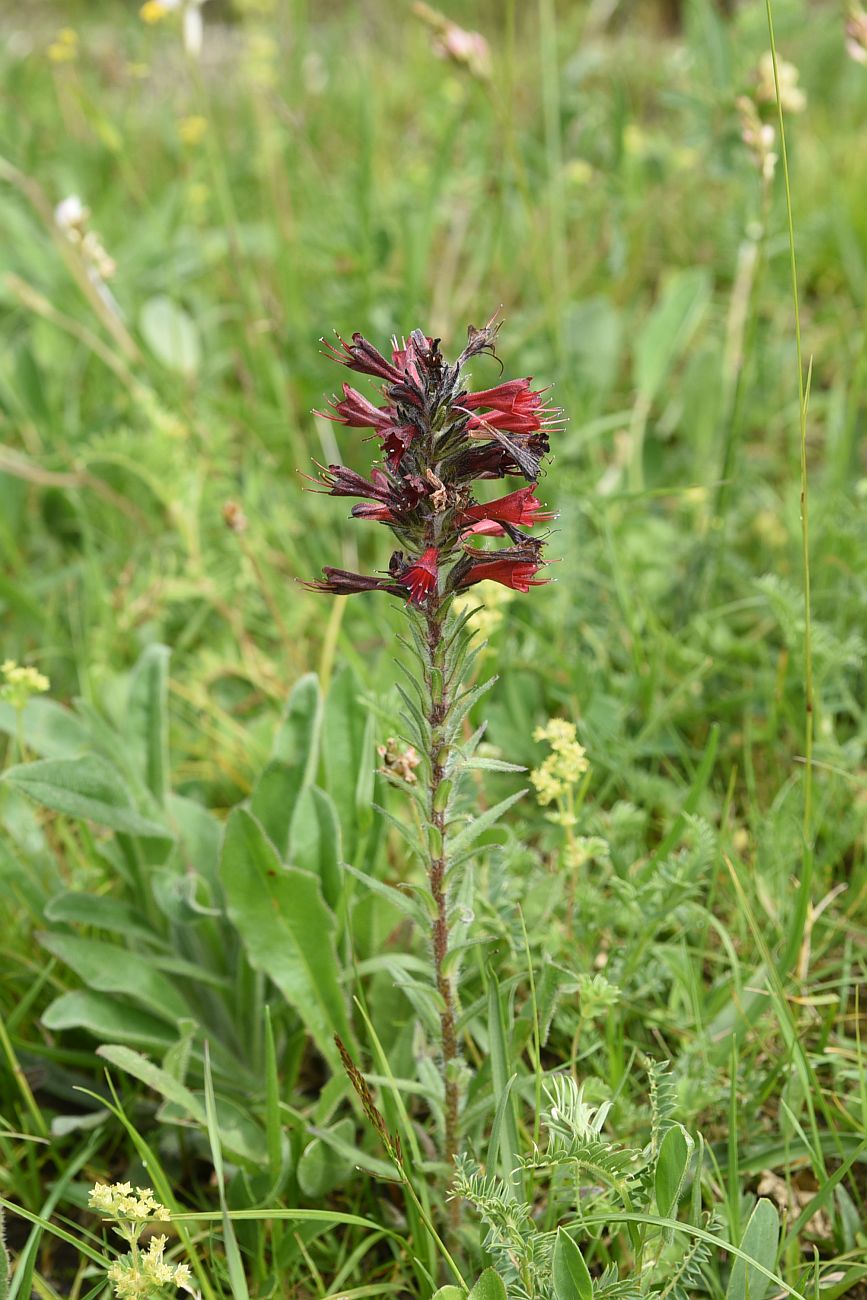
x=108, y=968
x=153, y=1076
x=671, y=1166
x=571, y=1275
x=314, y=841
x=297, y=741
x=50, y=730
x=171, y=334
x=760, y=1241
x=147, y=729
x=294, y=762
x=106, y=1018
x=99, y=911
x=286, y=927
x=449, y=1293
x=88, y=788
x=344, y=725
x=669, y=327
x=490, y=1286
x=321, y=1168
x=238, y=1133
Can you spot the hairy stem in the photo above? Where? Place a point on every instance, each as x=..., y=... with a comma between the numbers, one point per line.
x=437, y=863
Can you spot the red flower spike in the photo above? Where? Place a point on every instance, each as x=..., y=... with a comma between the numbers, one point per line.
x=421, y=576
x=437, y=440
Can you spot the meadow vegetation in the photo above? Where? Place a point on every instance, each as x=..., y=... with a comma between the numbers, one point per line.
x=205, y=870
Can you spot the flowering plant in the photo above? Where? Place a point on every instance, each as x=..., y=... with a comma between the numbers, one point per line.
x=438, y=439
x=139, y=1273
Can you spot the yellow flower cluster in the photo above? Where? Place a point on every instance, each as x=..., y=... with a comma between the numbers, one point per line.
x=19, y=683
x=192, y=129
x=143, y=1274
x=153, y=11
x=64, y=47
x=564, y=766
x=117, y=1201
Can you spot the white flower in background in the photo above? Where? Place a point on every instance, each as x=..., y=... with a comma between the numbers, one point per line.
x=72, y=216
x=856, y=34
x=759, y=137
x=70, y=213
x=153, y=11
x=792, y=97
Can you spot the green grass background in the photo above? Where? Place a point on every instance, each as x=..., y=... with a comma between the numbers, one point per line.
x=598, y=190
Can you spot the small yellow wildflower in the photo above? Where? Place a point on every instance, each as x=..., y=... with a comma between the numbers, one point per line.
x=198, y=196
x=564, y=766
x=64, y=47
x=260, y=59
x=141, y=1274
x=578, y=172
x=192, y=129
x=153, y=11
x=118, y=1201
x=20, y=682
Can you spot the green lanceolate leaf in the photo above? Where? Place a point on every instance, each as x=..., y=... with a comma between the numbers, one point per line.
x=286, y=927
x=297, y=741
x=147, y=718
x=153, y=1076
x=571, y=1275
x=321, y=1167
x=344, y=727
x=100, y=912
x=107, y=1019
x=760, y=1240
x=490, y=1286
x=468, y=835
x=171, y=334
x=88, y=788
x=397, y=897
x=669, y=327
x=109, y=968
x=315, y=842
x=672, y=1162
x=294, y=762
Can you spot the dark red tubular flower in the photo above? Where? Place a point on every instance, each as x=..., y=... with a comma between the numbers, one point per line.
x=502, y=397
x=517, y=571
x=421, y=576
x=514, y=407
x=522, y=508
x=355, y=410
x=342, y=482
x=437, y=439
x=361, y=356
x=342, y=582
